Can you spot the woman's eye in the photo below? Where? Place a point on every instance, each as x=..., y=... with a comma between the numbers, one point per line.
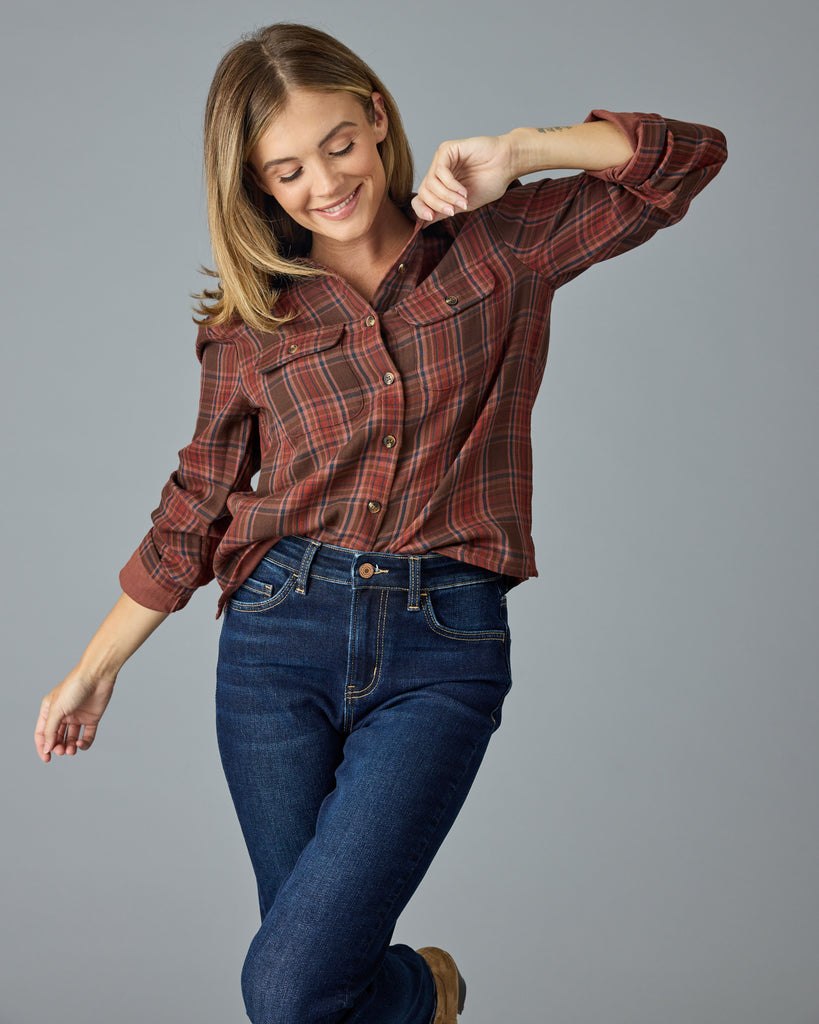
x=340, y=152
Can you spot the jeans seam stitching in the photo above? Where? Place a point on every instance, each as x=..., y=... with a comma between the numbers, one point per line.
x=349, y=685
x=454, y=634
x=256, y=607
x=379, y=651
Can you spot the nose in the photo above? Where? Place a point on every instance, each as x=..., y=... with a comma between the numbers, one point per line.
x=326, y=181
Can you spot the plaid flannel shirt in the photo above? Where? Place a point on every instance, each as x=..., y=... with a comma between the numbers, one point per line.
x=404, y=425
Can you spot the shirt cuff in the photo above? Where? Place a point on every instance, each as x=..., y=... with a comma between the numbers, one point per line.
x=647, y=135
x=139, y=585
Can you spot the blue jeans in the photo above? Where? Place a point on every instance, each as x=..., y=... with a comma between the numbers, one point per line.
x=356, y=696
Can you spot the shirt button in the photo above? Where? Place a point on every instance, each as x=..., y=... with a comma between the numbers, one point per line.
x=374, y=507
x=402, y=267
x=388, y=378
x=370, y=321
x=389, y=441
x=293, y=348
x=365, y=571
x=451, y=300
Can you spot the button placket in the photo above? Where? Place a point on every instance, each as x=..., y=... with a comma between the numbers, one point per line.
x=388, y=412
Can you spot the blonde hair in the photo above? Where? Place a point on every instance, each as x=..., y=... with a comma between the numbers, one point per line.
x=256, y=245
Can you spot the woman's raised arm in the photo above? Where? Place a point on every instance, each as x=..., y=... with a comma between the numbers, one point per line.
x=469, y=173
x=639, y=173
x=70, y=714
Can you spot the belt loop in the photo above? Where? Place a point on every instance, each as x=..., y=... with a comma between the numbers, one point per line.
x=304, y=568
x=414, y=597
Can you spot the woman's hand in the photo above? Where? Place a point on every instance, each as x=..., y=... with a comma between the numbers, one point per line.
x=70, y=714
x=465, y=175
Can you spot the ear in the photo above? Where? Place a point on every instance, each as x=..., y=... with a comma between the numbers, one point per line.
x=381, y=121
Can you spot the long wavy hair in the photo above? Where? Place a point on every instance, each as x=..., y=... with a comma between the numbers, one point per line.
x=256, y=246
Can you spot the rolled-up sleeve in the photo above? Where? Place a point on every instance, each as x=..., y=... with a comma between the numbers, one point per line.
x=562, y=226
x=176, y=555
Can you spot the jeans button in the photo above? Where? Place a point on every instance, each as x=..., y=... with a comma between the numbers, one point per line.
x=365, y=570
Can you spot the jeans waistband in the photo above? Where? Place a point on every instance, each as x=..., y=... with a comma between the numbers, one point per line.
x=310, y=559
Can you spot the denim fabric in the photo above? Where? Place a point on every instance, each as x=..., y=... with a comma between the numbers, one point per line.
x=356, y=696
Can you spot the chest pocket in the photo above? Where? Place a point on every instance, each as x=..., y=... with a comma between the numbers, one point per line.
x=452, y=322
x=309, y=382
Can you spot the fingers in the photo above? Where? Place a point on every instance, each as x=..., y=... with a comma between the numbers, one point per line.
x=50, y=733
x=54, y=735
x=71, y=739
x=440, y=193
x=423, y=211
x=434, y=200
x=54, y=730
x=87, y=738
x=447, y=187
x=39, y=732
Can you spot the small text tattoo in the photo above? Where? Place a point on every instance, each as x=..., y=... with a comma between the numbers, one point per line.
x=558, y=128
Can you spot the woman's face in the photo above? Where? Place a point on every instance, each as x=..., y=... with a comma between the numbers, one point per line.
x=320, y=162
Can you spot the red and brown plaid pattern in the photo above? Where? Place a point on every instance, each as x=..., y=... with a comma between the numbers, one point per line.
x=404, y=425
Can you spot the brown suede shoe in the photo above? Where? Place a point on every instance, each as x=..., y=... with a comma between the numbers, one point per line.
x=449, y=984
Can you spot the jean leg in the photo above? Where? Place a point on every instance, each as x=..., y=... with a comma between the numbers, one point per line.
x=278, y=777
x=322, y=952
x=278, y=746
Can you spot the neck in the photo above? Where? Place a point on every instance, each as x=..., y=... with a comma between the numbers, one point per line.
x=386, y=238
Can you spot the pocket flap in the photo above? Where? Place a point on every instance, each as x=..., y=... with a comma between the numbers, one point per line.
x=444, y=298
x=286, y=347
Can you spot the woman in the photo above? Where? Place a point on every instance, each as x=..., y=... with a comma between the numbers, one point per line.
x=374, y=358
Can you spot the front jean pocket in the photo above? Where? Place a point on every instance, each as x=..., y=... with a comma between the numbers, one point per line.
x=269, y=585
x=470, y=612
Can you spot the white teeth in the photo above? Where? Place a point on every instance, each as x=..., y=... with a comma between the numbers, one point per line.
x=341, y=205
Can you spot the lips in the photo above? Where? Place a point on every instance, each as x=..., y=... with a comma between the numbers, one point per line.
x=340, y=207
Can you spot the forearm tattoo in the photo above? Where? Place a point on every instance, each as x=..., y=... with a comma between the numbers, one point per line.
x=559, y=128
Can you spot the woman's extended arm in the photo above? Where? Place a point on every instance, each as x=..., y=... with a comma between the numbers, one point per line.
x=638, y=173
x=469, y=173
x=70, y=714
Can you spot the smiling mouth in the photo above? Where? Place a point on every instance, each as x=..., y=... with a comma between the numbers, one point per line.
x=339, y=206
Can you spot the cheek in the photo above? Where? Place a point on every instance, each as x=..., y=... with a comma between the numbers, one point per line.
x=291, y=199
x=365, y=162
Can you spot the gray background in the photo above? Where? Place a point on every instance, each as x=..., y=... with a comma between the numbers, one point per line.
x=641, y=843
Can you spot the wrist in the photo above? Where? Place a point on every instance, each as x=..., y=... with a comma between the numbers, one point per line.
x=101, y=661
x=537, y=149
x=126, y=627
x=521, y=156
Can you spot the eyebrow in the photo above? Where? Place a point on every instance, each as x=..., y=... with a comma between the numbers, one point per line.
x=324, y=141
